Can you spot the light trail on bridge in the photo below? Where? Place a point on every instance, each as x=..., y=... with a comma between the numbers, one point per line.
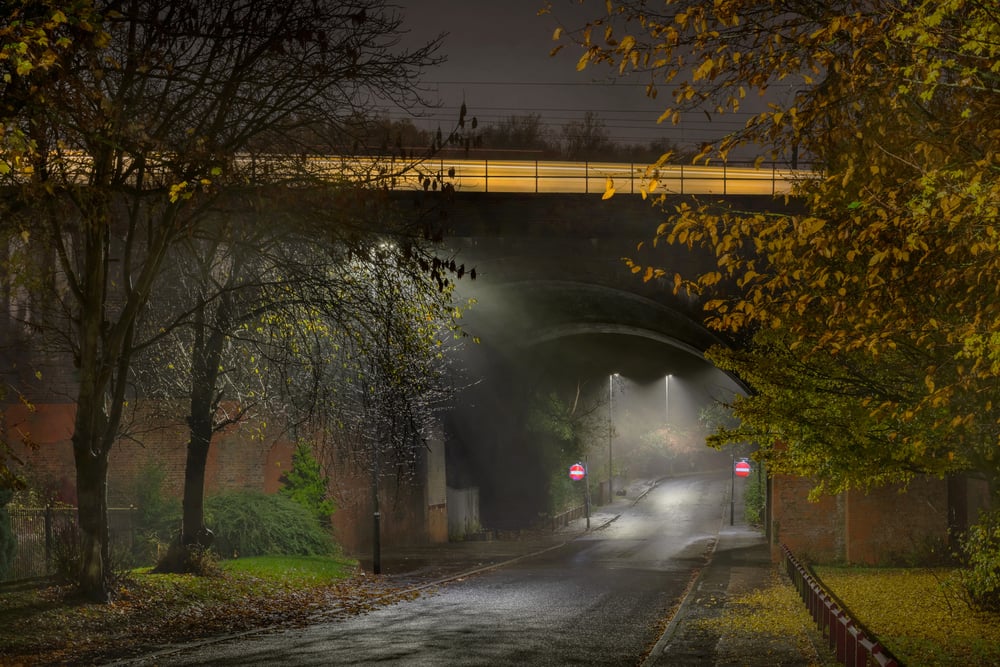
x=488, y=176
x=538, y=176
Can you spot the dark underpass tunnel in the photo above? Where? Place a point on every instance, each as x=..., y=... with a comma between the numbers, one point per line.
x=521, y=420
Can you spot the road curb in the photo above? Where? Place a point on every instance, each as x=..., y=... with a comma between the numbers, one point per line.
x=668, y=632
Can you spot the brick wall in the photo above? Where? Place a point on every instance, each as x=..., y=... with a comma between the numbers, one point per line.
x=242, y=457
x=889, y=525
x=404, y=514
x=812, y=530
x=49, y=427
x=883, y=526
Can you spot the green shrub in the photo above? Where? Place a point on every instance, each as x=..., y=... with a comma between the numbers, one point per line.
x=754, y=497
x=564, y=493
x=248, y=523
x=159, y=517
x=981, y=551
x=306, y=484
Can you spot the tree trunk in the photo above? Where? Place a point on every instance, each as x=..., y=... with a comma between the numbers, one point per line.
x=206, y=355
x=90, y=448
x=193, y=530
x=92, y=499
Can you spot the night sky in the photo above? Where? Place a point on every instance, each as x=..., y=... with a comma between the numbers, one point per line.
x=498, y=63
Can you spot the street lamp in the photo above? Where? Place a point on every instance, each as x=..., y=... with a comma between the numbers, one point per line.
x=611, y=422
x=666, y=428
x=666, y=382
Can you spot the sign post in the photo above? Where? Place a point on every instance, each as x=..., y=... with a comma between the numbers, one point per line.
x=732, y=491
x=741, y=468
x=578, y=472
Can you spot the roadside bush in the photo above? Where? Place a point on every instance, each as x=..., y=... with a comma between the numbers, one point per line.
x=564, y=493
x=66, y=557
x=980, y=577
x=306, y=484
x=159, y=517
x=754, y=497
x=248, y=523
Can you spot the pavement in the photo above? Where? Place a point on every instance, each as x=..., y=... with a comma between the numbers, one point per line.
x=738, y=564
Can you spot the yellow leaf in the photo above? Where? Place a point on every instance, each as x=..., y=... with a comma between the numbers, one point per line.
x=704, y=70
x=556, y=34
x=609, y=189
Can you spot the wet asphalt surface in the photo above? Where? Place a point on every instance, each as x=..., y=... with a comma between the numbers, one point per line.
x=601, y=598
x=608, y=596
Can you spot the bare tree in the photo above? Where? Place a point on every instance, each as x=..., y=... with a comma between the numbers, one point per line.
x=137, y=135
x=586, y=139
x=518, y=132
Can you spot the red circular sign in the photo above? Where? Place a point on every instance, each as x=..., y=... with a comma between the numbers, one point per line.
x=577, y=472
x=742, y=469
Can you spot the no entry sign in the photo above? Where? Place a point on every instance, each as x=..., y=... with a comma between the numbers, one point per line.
x=742, y=469
x=577, y=472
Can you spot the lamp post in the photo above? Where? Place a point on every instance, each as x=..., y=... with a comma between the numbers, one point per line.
x=666, y=381
x=611, y=422
x=666, y=427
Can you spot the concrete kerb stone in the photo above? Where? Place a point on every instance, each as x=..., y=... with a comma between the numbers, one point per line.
x=670, y=630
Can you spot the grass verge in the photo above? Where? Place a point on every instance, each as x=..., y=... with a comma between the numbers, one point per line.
x=918, y=614
x=52, y=625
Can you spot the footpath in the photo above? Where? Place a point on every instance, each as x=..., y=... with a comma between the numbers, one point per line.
x=738, y=565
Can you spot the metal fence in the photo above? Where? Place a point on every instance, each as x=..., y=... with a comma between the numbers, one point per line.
x=41, y=532
x=845, y=637
x=552, y=176
x=562, y=519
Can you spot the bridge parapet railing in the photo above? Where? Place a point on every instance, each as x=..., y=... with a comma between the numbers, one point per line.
x=628, y=178
x=843, y=633
x=542, y=176
x=496, y=176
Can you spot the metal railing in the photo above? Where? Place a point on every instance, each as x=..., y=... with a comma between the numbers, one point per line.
x=845, y=637
x=40, y=532
x=539, y=177
x=485, y=175
x=563, y=519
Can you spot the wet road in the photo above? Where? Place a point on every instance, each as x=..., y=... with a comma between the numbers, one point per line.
x=601, y=599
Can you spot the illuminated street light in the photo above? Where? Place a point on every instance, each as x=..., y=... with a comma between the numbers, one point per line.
x=666, y=429
x=666, y=382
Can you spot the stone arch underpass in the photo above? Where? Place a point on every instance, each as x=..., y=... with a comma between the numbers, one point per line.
x=551, y=267
x=554, y=300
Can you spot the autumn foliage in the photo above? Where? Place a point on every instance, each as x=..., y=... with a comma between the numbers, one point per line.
x=874, y=315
